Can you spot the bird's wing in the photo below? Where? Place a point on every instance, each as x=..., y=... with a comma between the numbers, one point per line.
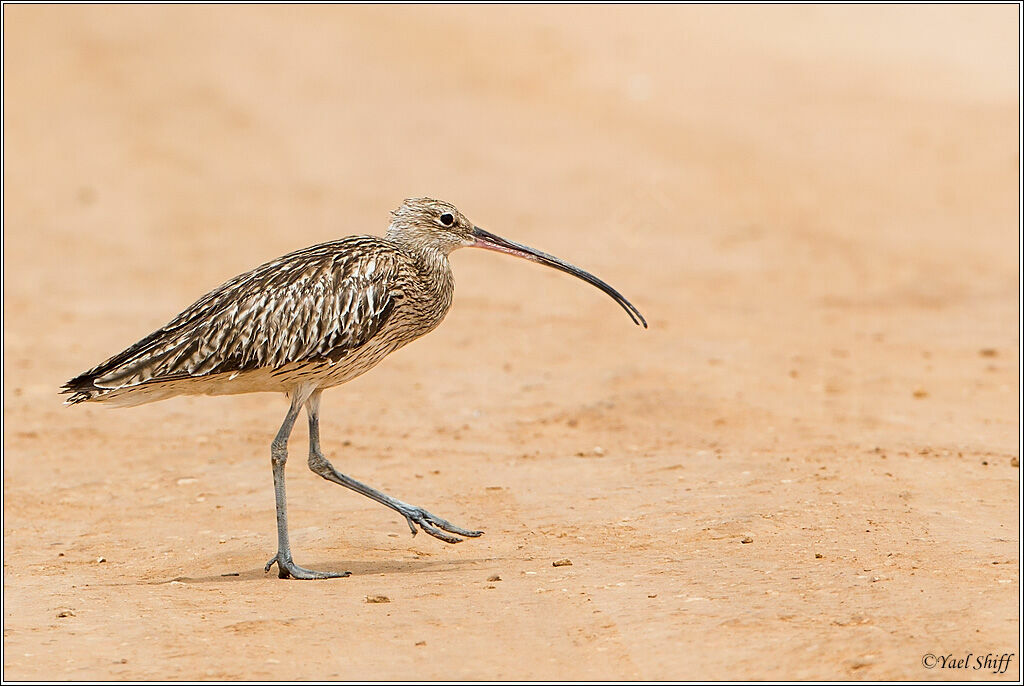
x=315, y=304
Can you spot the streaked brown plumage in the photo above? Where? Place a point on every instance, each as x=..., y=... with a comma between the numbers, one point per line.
x=312, y=319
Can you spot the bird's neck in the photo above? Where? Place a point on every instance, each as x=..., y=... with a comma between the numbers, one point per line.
x=432, y=261
x=437, y=278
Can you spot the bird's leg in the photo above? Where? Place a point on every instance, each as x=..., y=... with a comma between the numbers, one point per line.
x=278, y=457
x=432, y=524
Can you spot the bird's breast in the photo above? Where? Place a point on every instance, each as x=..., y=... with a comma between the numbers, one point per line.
x=425, y=301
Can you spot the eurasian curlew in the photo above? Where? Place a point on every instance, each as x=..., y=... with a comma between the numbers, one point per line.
x=308, y=321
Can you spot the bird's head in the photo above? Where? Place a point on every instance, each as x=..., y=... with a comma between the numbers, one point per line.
x=435, y=225
x=426, y=223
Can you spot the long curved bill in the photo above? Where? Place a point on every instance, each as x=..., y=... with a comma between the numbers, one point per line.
x=487, y=240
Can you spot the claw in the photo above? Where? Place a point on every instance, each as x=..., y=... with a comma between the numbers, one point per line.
x=435, y=526
x=451, y=528
x=287, y=568
x=437, y=533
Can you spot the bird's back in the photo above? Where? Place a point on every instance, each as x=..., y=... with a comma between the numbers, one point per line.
x=323, y=314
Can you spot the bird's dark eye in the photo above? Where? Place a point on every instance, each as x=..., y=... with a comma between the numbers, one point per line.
x=447, y=219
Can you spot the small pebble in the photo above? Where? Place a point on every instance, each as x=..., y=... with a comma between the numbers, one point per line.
x=564, y=562
x=65, y=613
x=652, y=595
x=378, y=599
x=494, y=577
x=101, y=559
x=818, y=556
x=746, y=539
x=421, y=643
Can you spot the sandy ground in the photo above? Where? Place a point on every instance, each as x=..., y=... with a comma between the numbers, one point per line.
x=807, y=467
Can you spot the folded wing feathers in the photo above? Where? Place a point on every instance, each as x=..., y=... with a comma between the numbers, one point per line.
x=318, y=303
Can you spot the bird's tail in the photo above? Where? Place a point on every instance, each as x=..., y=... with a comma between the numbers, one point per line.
x=81, y=388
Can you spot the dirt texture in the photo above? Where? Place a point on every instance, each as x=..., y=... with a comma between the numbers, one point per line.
x=807, y=467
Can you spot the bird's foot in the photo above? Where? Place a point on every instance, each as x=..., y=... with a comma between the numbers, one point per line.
x=286, y=568
x=434, y=525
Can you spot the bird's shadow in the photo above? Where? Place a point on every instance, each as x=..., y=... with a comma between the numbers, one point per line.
x=357, y=568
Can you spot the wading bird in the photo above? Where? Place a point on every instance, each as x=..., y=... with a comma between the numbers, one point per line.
x=308, y=321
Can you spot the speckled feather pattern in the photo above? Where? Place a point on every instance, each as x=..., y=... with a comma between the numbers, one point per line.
x=319, y=316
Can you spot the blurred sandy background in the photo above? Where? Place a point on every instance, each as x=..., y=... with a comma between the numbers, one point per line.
x=815, y=207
